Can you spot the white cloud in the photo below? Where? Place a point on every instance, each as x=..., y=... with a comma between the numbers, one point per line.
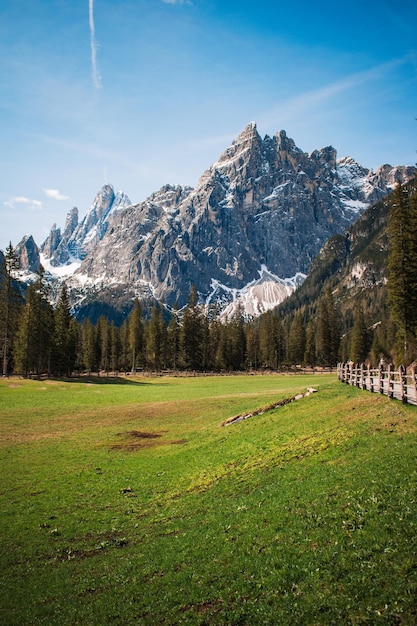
x=30, y=203
x=177, y=1
x=55, y=194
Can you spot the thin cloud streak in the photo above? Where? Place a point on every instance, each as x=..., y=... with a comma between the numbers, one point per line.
x=94, y=67
x=293, y=107
x=85, y=149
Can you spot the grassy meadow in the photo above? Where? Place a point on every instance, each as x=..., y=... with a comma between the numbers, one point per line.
x=124, y=501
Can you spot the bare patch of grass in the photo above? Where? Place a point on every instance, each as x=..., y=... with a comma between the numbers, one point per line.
x=136, y=440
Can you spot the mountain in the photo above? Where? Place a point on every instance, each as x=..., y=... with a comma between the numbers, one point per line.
x=353, y=265
x=247, y=233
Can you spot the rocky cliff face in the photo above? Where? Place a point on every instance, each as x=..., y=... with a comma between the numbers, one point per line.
x=258, y=216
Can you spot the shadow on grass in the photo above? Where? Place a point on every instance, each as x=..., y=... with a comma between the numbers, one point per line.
x=102, y=380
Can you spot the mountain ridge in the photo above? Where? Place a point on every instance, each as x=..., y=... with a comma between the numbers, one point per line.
x=262, y=210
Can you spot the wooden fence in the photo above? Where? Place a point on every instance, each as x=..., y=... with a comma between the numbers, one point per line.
x=400, y=383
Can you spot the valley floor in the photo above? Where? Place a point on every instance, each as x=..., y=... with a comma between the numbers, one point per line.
x=124, y=501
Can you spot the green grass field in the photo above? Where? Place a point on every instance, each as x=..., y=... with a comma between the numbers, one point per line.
x=124, y=501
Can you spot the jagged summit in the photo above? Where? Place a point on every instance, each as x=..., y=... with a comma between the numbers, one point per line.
x=263, y=204
x=78, y=239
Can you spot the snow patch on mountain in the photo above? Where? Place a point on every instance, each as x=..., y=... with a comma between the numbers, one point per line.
x=60, y=271
x=260, y=295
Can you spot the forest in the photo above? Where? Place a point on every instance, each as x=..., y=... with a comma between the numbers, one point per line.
x=38, y=338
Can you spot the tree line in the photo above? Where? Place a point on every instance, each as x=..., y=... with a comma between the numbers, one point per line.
x=37, y=338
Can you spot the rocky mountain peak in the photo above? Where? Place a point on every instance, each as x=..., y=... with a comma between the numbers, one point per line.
x=78, y=239
x=71, y=223
x=28, y=255
x=238, y=159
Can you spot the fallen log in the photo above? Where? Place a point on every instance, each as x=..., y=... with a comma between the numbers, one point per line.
x=270, y=407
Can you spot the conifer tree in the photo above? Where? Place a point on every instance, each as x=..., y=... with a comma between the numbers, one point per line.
x=297, y=340
x=221, y=357
x=402, y=267
x=89, y=346
x=252, y=345
x=271, y=340
x=215, y=338
x=135, y=325
x=192, y=334
x=359, y=338
x=34, y=339
x=65, y=336
x=234, y=341
x=154, y=344
x=206, y=362
x=327, y=331
x=115, y=348
x=124, y=336
x=310, y=349
x=103, y=336
x=173, y=339
x=9, y=305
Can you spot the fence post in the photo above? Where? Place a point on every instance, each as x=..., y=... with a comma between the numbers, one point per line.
x=381, y=378
x=403, y=384
x=362, y=376
x=390, y=392
x=370, y=380
x=414, y=382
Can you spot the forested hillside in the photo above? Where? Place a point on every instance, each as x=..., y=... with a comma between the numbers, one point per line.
x=357, y=268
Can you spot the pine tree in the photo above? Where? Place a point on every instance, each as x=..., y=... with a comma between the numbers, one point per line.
x=333, y=319
x=192, y=334
x=310, y=349
x=125, y=351
x=205, y=346
x=234, y=342
x=359, y=338
x=115, y=348
x=323, y=342
x=297, y=340
x=34, y=339
x=9, y=305
x=65, y=336
x=215, y=338
x=327, y=331
x=154, y=344
x=103, y=336
x=402, y=267
x=271, y=340
x=252, y=345
x=135, y=334
x=90, y=354
x=173, y=339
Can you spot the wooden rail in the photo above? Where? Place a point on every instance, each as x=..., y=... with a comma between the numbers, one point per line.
x=400, y=383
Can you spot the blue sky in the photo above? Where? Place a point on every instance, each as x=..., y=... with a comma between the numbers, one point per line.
x=140, y=93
